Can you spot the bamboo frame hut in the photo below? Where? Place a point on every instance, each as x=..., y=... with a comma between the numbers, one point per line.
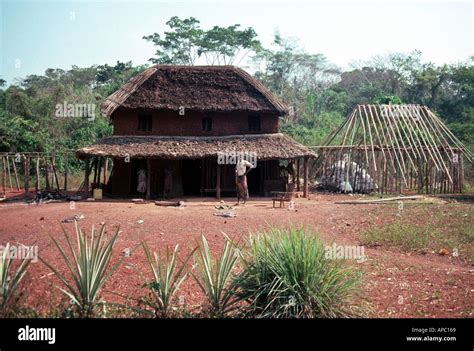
x=393, y=149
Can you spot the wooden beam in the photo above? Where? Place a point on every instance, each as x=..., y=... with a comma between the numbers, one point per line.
x=305, y=189
x=65, y=172
x=99, y=169
x=4, y=176
x=9, y=174
x=298, y=175
x=148, y=176
x=46, y=173
x=17, y=182
x=95, y=169
x=37, y=174
x=86, y=174
x=26, y=165
x=202, y=177
x=55, y=174
x=106, y=169
x=218, y=182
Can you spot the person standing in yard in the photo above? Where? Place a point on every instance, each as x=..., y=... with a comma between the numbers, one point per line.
x=241, y=178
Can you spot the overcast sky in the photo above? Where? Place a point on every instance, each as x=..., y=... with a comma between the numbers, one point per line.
x=36, y=35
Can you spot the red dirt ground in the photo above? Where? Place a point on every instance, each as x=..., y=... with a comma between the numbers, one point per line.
x=396, y=284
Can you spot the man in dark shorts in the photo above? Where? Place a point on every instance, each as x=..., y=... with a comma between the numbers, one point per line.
x=241, y=179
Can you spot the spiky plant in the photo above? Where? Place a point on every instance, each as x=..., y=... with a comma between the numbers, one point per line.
x=89, y=268
x=286, y=274
x=167, y=278
x=10, y=278
x=215, y=275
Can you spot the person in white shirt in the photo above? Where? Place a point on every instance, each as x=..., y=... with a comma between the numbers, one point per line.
x=241, y=178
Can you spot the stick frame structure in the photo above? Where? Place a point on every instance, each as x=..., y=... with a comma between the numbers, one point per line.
x=403, y=148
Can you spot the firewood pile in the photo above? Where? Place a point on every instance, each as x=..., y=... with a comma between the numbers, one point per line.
x=48, y=195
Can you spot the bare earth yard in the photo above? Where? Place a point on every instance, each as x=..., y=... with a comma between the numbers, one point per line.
x=397, y=283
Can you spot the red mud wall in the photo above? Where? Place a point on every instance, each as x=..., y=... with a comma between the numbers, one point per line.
x=171, y=123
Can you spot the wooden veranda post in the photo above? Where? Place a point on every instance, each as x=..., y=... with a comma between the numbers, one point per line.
x=148, y=176
x=298, y=175
x=218, y=182
x=306, y=174
x=86, y=174
x=106, y=169
x=99, y=170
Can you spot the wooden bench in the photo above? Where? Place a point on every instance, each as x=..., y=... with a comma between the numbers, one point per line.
x=284, y=196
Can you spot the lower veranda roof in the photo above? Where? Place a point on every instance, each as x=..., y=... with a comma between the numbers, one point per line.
x=266, y=147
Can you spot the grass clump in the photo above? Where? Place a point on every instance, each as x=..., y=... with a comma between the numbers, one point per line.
x=214, y=275
x=286, y=274
x=10, y=278
x=168, y=276
x=89, y=268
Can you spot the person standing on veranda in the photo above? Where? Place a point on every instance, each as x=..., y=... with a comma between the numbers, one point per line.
x=241, y=179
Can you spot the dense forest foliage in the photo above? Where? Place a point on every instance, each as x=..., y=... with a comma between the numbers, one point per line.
x=320, y=94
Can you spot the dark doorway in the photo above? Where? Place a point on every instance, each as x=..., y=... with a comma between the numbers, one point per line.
x=191, y=172
x=136, y=165
x=253, y=181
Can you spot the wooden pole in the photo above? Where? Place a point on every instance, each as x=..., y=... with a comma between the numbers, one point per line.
x=95, y=170
x=202, y=177
x=65, y=171
x=298, y=185
x=27, y=174
x=46, y=173
x=55, y=175
x=384, y=136
x=218, y=182
x=99, y=169
x=37, y=174
x=4, y=177
x=17, y=182
x=305, y=189
x=106, y=169
x=9, y=174
x=86, y=174
x=148, y=178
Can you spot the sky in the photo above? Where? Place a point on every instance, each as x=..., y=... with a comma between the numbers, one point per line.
x=41, y=34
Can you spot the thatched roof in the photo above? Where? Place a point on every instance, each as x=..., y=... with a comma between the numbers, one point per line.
x=196, y=88
x=266, y=146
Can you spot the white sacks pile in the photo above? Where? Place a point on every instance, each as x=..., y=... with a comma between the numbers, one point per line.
x=347, y=177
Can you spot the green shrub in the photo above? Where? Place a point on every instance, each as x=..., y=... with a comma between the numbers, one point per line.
x=286, y=275
x=9, y=280
x=214, y=277
x=89, y=268
x=167, y=278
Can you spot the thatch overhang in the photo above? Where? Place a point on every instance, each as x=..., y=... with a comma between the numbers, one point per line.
x=196, y=88
x=266, y=147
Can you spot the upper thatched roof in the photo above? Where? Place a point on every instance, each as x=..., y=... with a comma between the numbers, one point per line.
x=266, y=146
x=198, y=88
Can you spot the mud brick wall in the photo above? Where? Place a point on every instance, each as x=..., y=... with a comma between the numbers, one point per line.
x=170, y=123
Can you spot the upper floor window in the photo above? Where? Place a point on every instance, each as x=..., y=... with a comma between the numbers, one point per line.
x=144, y=123
x=254, y=123
x=207, y=124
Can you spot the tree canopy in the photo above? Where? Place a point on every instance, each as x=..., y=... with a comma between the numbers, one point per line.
x=319, y=93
